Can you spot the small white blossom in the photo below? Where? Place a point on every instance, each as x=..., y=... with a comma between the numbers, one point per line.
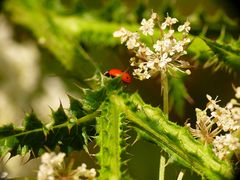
x=147, y=27
x=188, y=72
x=154, y=16
x=123, y=34
x=144, y=51
x=83, y=173
x=186, y=40
x=133, y=61
x=185, y=27
x=148, y=52
x=158, y=46
x=169, y=34
x=169, y=22
x=179, y=46
x=164, y=60
x=132, y=42
x=58, y=159
x=150, y=64
x=184, y=64
x=92, y=172
x=212, y=103
x=167, y=45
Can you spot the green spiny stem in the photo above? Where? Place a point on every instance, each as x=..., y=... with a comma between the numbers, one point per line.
x=88, y=117
x=109, y=140
x=81, y=120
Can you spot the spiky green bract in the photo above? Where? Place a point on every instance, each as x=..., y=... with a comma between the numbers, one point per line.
x=220, y=54
x=68, y=131
x=76, y=108
x=226, y=56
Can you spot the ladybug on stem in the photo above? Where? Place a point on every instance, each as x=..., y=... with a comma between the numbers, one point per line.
x=126, y=78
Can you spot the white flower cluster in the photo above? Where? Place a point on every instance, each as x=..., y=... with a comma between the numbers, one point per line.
x=216, y=125
x=224, y=144
x=83, y=173
x=164, y=53
x=53, y=167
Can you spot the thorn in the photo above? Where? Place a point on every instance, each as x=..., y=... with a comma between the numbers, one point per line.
x=95, y=146
x=93, y=155
x=135, y=141
x=86, y=149
x=81, y=88
x=129, y=154
x=94, y=137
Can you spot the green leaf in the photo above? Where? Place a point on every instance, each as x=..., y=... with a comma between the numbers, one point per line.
x=93, y=99
x=8, y=130
x=34, y=135
x=7, y=144
x=31, y=122
x=76, y=107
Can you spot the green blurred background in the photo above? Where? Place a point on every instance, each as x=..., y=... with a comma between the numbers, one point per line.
x=48, y=48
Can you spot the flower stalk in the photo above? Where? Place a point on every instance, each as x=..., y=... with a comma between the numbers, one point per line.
x=162, y=167
x=164, y=82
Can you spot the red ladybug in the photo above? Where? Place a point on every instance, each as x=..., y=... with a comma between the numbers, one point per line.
x=126, y=78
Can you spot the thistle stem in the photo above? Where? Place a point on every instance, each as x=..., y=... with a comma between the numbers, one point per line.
x=164, y=82
x=181, y=174
x=162, y=167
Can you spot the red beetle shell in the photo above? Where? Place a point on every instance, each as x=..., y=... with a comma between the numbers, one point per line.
x=126, y=78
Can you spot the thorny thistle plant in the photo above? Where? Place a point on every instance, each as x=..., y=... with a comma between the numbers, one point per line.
x=164, y=54
x=114, y=111
x=217, y=125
